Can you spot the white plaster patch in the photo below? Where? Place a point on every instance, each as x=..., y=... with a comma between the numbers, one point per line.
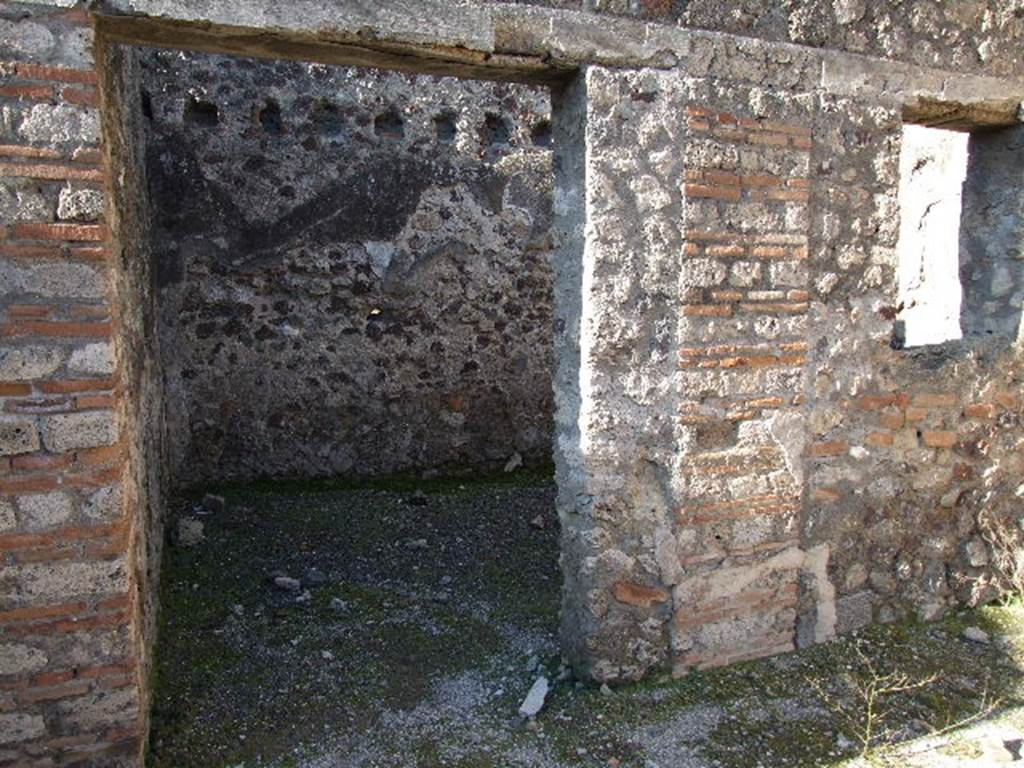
x=788, y=429
x=816, y=565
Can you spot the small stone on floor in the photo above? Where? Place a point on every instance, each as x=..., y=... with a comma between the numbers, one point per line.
x=534, y=700
x=976, y=635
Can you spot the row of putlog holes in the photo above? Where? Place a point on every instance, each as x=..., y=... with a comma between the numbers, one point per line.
x=388, y=125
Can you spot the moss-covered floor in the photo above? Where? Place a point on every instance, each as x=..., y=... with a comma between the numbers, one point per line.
x=425, y=610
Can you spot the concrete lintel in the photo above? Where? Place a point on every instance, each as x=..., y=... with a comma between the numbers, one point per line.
x=958, y=101
x=426, y=22
x=579, y=38
x=337, y=44
x=241, y=41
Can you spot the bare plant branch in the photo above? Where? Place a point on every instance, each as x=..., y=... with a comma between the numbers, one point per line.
x=1007, y=549
x=870, y=688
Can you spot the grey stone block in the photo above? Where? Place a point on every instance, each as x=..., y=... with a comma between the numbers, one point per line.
x=18, y=435
x=35, y=583
x=102, y=709
x=90, y=429
x=19, y=202
x=26, y=363
x=26, y=38
x=95, y=359
x=18, y=659
x=80, y=204
x=104, y=505
x=61, y=124
x=44, y=510
x=7, y=520
x=854, y=612
x=20, y=727
x=54, y=279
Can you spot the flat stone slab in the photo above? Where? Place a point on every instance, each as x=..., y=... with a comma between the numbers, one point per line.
x=428, y=22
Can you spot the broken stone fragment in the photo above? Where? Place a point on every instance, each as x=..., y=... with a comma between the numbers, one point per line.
x=976, y=635
x=514, y=462
x=287, y=583
x=534, y=700
x=213, y=503
x=977, y=553
x=190, y=532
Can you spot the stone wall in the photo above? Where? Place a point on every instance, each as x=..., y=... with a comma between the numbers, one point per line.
x=353, y=267
x=966, y=35
x=909, y=453
x=764, y=465
x=748, y=459
x=690, y=529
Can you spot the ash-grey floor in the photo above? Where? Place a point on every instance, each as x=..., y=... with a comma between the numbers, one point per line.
x=425, y=610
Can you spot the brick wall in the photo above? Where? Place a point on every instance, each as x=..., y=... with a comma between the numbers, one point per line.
x=746, y=301
x=68, y=661
x=693, y=412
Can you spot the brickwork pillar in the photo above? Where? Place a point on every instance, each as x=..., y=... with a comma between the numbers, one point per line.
x=619, y=213
x=69, y=688
x=742, y=359
x=682, y=443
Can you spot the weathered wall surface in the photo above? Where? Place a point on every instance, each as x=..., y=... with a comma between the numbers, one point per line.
x=69, y=650
x=353, y=267
x=910, y=451
x=693, y=343
x=141, y=416
x=818, y=476
x=967, y=35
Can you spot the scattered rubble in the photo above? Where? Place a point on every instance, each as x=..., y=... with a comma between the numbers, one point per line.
x=977, y=635
x=189, y=532
x=287, y=583
x=213, y=504
x=534, y=700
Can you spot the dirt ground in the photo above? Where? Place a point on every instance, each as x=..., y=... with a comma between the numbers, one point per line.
x=401, y=623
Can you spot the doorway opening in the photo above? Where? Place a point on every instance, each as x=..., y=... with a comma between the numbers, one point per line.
x=354, y=325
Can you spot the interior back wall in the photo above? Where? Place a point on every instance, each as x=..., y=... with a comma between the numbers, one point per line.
x=353, y=268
